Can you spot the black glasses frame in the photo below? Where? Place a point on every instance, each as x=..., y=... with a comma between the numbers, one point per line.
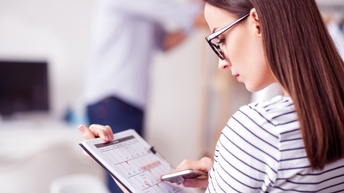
x=212, y=36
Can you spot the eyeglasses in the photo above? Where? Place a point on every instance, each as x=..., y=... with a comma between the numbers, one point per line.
x=215, y=43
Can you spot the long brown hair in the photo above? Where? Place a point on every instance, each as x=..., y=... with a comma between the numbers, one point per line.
x=305, y=62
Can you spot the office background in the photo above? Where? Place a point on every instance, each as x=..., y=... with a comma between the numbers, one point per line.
x=190, y=100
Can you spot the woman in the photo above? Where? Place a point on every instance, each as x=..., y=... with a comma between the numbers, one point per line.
x=291, y=143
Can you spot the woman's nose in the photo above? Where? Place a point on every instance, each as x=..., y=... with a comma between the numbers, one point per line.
x=223, y=64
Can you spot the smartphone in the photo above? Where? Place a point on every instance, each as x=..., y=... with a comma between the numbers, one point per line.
x=178, y=177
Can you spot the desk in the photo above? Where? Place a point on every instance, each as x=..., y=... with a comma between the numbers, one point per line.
x=34, y=154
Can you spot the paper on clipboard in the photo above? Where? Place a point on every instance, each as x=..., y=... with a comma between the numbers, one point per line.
x=129, y=159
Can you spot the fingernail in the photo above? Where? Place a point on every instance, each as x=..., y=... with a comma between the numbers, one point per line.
x=81, y=128
x=186, y=183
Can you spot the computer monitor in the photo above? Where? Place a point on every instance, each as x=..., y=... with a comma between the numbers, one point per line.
x=24, y=87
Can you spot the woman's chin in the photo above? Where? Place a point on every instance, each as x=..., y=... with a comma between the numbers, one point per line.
x=255, y=88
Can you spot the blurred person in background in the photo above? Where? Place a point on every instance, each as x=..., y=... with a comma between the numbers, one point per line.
x=125, y=35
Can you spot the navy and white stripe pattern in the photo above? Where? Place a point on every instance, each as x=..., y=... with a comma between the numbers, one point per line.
x=261, y=150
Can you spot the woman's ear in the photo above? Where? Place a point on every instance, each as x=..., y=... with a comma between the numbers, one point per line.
x=256, y=24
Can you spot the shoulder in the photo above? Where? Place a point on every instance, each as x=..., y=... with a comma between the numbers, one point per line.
x=271, y=121
x=272, y=126
x=252, y=137
x=275, y=112
x=264, y=118
x=264, y=121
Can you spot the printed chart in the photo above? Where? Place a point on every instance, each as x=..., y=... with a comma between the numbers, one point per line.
x=131, y=157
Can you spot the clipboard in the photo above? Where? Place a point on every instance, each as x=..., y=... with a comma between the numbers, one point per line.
x=133, y=163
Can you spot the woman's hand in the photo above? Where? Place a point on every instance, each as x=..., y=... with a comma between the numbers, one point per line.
x=103, y=132
x=95, y=131
x=203, y=164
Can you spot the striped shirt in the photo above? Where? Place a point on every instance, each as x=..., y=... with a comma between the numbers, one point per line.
x=261, y=150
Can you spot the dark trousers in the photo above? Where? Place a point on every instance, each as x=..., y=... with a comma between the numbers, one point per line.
x=119, y=116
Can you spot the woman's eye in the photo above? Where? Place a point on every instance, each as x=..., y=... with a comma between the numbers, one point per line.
x=221, y=41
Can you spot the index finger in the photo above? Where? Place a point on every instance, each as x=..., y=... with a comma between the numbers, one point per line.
x=95, y=130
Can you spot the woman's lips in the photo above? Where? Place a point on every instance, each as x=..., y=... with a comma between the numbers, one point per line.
x=236, y=76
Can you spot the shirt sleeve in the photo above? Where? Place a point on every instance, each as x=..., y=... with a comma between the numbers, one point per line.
x=164, y=12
